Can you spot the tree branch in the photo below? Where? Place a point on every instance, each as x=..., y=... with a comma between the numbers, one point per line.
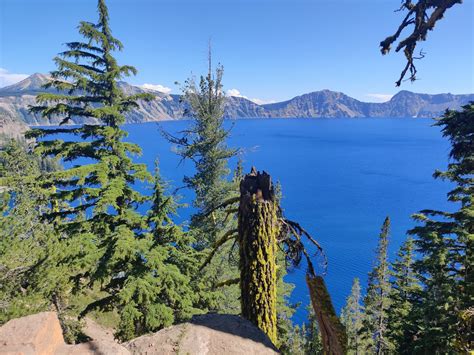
x=423, y=16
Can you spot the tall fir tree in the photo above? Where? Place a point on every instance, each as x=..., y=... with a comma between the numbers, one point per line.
x=444, y=241
x=97, y=211
x=404, y=293
x=204, y=143
x=351, y=317
x=376, y=301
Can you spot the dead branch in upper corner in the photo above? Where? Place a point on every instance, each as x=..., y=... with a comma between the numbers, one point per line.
x=423, y=16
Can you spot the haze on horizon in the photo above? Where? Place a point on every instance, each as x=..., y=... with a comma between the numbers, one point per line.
x=271, y=51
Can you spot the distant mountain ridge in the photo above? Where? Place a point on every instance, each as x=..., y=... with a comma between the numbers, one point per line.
x=15, y=100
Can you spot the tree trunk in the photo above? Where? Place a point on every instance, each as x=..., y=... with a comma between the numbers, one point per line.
x=258, y=231
x=332, y=331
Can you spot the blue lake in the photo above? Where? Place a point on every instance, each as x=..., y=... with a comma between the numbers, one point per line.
x=340, y=178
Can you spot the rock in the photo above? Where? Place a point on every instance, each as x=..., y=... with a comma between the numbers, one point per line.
x=93, y=347
x=41, y=334
x=103, y=342
x=212, y=334
x=16, y=99
x=36, y=334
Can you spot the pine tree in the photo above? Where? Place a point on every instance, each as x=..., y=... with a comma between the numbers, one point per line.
x=405, y=289
x=313, y=343
x=204, y=143
x=159, y=291
x=296, y=342
x=444, y=241
x=97, y=210
x=351, y=318
x=376, y=301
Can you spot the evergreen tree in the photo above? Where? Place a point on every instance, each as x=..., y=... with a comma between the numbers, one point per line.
x=402, y=322
x=204, y=143
x=444, y=241
x=23, y=236
x=351, y=318
x=313, y=343
x=295, y=342
x=32, y=253
x=376, y=301
x=97, y=211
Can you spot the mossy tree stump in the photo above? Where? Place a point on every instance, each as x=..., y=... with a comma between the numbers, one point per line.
x=258, y=230
x=261, y=226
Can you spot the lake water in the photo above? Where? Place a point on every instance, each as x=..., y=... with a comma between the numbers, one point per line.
x=340, y=178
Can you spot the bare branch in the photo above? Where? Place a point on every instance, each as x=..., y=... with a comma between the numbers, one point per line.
x=423, y=16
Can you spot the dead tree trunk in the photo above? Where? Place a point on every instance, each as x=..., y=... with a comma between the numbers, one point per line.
x=258, y=232
x=332, y=331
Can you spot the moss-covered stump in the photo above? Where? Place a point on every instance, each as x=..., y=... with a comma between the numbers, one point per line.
x=332, y=331
x=257, y=237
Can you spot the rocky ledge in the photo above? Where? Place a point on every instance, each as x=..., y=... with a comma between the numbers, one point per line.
x=204, y=335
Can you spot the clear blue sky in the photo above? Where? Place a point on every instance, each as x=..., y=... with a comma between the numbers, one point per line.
x=271, y=49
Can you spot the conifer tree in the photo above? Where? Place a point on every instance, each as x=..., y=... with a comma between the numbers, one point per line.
x=296, y=342
x=32, y=275
x=376, y=301
x=204, y=143
x=404, y=293
x=351, y=318
x=97, y=209
x=444, y=241
x=313, y=343
x=23, y=236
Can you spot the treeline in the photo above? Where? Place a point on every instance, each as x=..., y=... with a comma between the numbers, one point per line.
x=423, y=301
x=74, y=236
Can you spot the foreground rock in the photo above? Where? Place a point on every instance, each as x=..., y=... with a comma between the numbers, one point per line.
x=41, y=334
x=212, y=334
x=207, y=334
x=36, y=334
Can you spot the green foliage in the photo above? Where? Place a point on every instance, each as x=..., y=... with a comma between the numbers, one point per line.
x=352, y=317
x=304, y=340
x=134, y=259
x=295, y=344
x=31, y=254
x=313, y=343
x=204, y=143
x=30, y=272
x=444, y=241
x=404, y=293
x=376, y=301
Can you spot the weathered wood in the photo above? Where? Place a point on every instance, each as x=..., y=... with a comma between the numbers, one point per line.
x=332, y=331
x=258, y=232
